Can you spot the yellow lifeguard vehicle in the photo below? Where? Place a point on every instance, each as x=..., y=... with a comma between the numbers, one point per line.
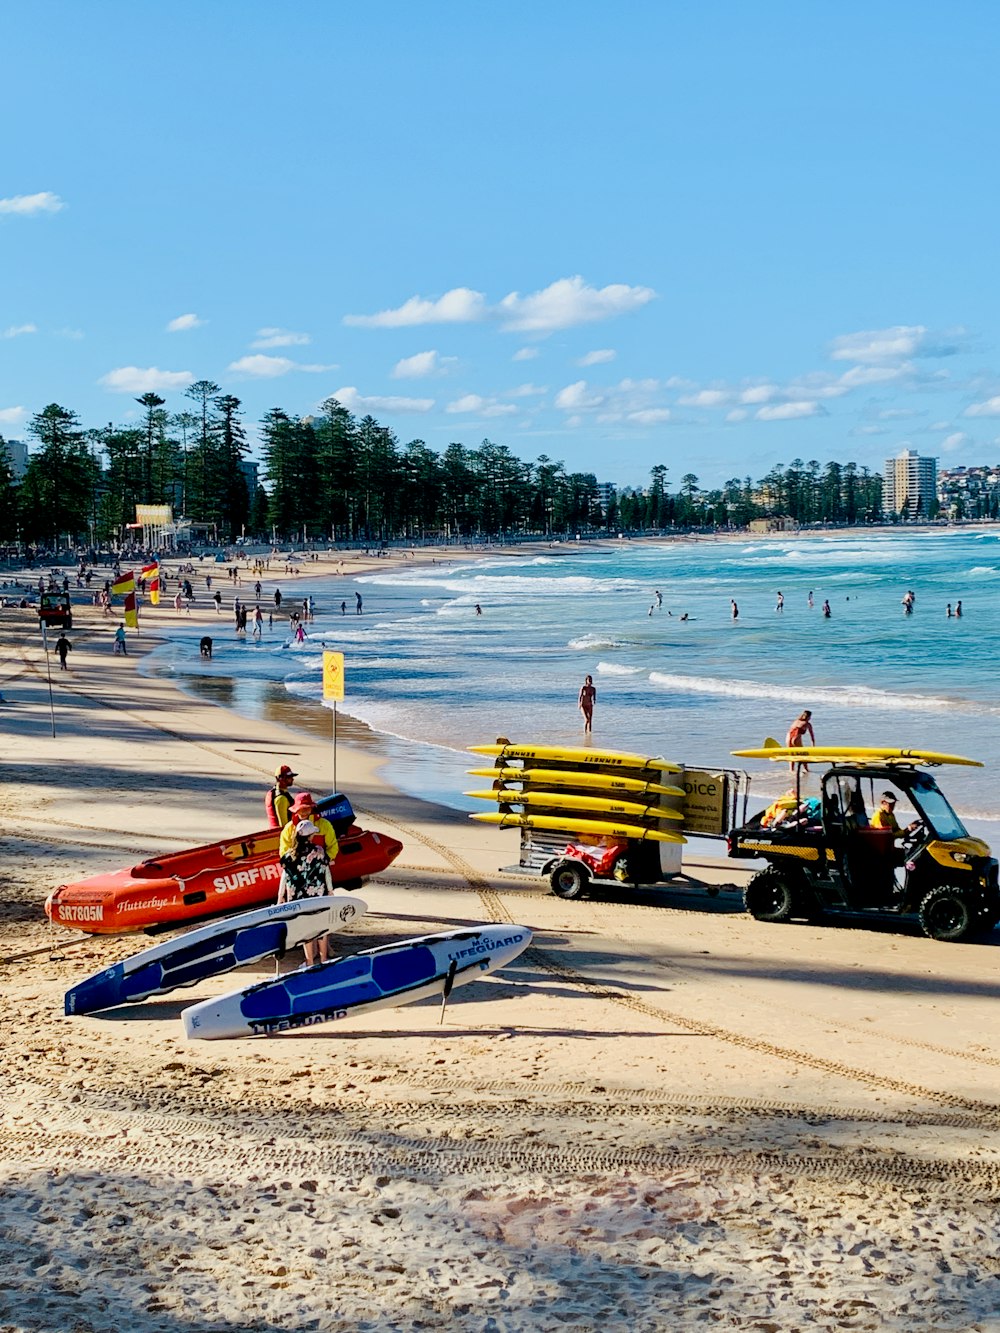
x=844, y=852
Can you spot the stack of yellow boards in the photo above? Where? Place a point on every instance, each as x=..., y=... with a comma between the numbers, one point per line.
x=601, y=793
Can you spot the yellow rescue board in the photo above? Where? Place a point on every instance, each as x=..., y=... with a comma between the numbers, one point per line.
x=577, y=755
x=599, y=805
x=844, y=754
x=569, y=825
x=560, y=777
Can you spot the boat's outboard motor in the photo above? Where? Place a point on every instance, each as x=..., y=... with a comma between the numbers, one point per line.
x=338, y=810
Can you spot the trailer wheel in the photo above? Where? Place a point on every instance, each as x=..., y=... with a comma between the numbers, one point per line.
x=770, y=896
x=946, y=913
x=569, y=879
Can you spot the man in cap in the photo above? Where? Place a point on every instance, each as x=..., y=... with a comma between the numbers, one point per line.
x=885, y=817
x=278, y=800
x=304, y=808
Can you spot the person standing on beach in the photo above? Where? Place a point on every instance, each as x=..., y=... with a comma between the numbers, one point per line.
x=357, y=596
x=63, y=646
x=588, y=697
x=278, y=800
x=120, y=645
x=305, y=873
x=277, y=599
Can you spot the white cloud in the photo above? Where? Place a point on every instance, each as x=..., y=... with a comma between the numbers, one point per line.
x=989, y=408
x=787, y=411
x=527, y=391
x=184, y=322
x=471, y=404
x=17, y=330
x=901, y=340
x=870, y=430
x=649, y=416
x=705, y=398
x=525, y=354
x=598, y=358
x=417, y=366
x=278, y=338
x=355, y=402
x=74, y=334
x=859, y=377
x=12, y=416
x=574, y=397
x=737, y=414
x=459, y=306
x=26, y=204
x=312, y=368
x=954, y=441
x=132, y=379
x=568, y=302
x=897, y=413
x=759, y=393
x=261, y=367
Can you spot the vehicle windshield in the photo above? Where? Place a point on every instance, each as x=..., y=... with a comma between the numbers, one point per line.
x=940, y=818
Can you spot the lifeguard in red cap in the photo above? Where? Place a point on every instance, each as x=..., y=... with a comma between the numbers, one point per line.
x=278, y=801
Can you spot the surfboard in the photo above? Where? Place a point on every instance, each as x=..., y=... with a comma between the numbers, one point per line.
x=577, y=755
x=599, y=805
x=380, y=978
x=212, y=950
x=559, y=777
x=570, y=824
x=844, y=754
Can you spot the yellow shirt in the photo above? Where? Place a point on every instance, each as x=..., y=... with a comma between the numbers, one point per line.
x=287, y=840
x=885, y=819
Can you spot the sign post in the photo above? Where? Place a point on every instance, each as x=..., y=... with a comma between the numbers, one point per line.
x=333, y=689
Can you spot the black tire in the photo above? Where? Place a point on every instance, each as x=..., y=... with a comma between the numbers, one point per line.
x=772, y=896
x=569, y=879
x=948, y=913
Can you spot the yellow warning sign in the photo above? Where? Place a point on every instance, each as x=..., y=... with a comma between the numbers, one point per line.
x=333, y=676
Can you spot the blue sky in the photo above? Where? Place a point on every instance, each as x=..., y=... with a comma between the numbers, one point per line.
x=715, y=236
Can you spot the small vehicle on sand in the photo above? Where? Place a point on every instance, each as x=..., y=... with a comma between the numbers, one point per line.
x=845, y=853
x=55, y=610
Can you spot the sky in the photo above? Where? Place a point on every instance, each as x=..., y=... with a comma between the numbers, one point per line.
x=715, y=236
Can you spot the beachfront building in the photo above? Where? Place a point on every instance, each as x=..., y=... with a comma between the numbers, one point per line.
x=607, y=494
x=17, y=451
x=910, y=487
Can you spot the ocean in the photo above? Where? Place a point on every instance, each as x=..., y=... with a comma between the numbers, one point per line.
x=432, y=676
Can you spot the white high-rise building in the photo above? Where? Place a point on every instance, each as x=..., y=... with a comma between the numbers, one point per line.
x=910, y=485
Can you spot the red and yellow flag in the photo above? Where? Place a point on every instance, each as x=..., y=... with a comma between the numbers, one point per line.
x=131, y=611
x=151, y=573
x=124, y=583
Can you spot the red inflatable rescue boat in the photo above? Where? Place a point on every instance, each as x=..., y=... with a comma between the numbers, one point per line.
x=225, y=877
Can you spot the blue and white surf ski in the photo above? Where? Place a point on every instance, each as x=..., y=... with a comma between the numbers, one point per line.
x=218, y=947
x=381, y=978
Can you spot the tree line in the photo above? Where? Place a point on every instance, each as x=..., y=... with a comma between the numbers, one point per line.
x=332, y=476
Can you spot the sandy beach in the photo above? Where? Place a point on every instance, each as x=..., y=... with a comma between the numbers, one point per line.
x=663, y=1116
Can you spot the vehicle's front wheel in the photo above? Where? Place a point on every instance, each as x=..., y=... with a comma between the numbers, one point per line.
x=947, y=913
x=771, y=896
x=569, y=880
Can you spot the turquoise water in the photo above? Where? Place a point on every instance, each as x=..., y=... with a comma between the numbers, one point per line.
x=423, y=668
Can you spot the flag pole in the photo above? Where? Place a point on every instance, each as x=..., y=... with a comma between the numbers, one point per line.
x=335, y=745
x=48, y=669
